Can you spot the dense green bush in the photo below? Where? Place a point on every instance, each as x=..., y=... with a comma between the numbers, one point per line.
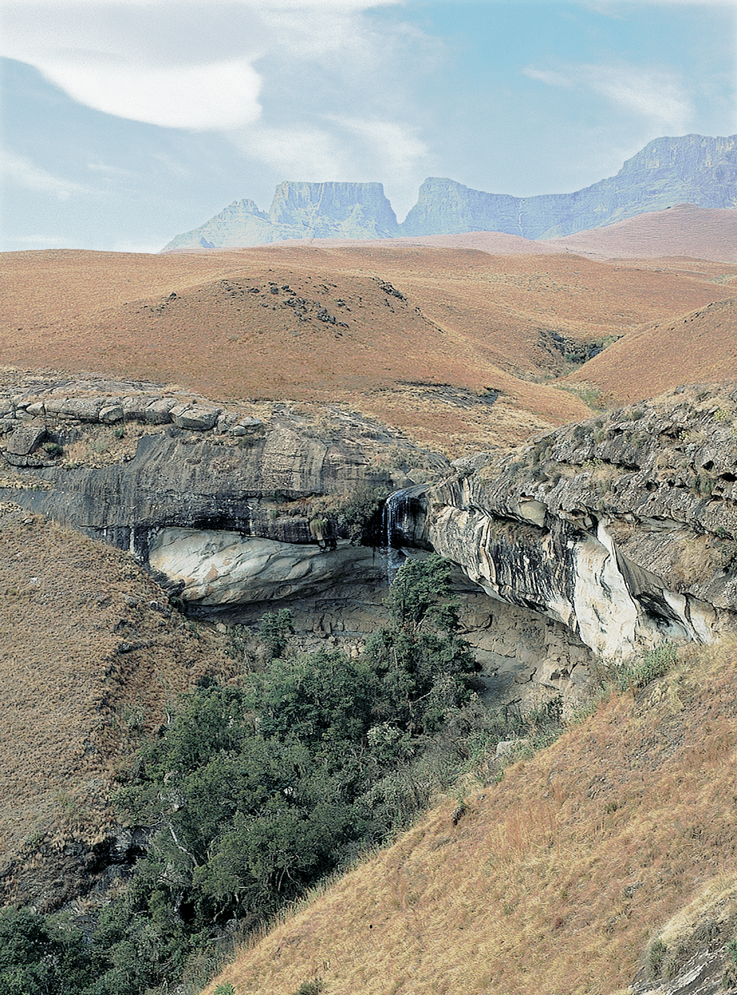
x=259, y=788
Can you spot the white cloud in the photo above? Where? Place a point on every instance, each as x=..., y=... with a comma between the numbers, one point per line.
x=350, y=149
x=654, y=94
x=306, y=153
x=396, y=146
x=314, y=89
x=176, y=63
x=24, y=173
x=217, y=96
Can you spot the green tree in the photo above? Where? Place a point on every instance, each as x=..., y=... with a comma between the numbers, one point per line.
x=420, y=597
x=421, y=661
x=274, y=630
x=43, y=954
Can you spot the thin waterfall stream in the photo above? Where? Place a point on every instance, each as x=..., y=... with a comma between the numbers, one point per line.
x=403, y=521
x=392, y=518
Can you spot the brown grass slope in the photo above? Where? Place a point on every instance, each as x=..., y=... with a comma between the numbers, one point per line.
x=684, y=230
x=90, y=656
x=555, y=879
x=699, y=347
x=464, y=318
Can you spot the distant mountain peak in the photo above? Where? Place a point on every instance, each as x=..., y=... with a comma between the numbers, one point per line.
x=693, y=169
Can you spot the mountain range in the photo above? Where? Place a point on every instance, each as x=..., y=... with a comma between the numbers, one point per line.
x=693, y=169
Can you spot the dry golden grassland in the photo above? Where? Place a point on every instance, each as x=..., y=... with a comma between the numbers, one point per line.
x=89, y=658
x=556, y=879
x=465, y=318
x=698, y=347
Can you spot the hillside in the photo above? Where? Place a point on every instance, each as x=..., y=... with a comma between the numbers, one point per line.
x=90, y=655
x=700, y=346
x=556, y=880
x=423, y=338
x=684, y=230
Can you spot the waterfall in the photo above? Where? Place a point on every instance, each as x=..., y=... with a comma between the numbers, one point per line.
x=393, y=518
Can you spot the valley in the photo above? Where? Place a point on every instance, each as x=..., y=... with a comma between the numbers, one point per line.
x=194, y=440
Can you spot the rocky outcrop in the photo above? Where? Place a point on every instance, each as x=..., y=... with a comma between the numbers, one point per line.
x=693, y=169
x=221, y=568
x=624, y=528
x=278, y=504
x=606, y=537
x=299, y=210
x=693, y=953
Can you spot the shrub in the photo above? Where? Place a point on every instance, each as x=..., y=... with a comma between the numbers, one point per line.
x=655, y=663
x=656, y=957
x=274, y=630
x=313, y=987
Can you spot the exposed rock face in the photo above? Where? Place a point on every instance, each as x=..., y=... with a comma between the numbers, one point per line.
x=222, y=568
x=622, y=528
x=690, y=170
x=692, y=954
x=334, y=210
x=299, y=210
x=668, y=171
x=267, y=502
x=604, y=537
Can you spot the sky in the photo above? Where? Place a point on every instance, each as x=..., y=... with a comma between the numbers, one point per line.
x=126, y=122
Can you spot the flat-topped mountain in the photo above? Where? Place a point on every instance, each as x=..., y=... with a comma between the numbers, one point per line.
x=299, y=210
x=693, y=169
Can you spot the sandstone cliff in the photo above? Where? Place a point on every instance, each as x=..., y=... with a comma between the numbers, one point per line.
x=271, y=504
x=693, y=169
x=623, y=528
x=299, y=210
x=606, y=537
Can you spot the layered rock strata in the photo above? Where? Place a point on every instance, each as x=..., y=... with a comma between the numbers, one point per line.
x=605, y=538
x=275, y=500
x=624, y=528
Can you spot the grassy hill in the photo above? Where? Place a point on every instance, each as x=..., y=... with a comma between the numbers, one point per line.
x=559, y=877
x=610, y=852
x=394, y=332
x=90, y=657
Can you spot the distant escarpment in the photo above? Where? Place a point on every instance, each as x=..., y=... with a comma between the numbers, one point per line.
x=693, y=169
x=299, y=210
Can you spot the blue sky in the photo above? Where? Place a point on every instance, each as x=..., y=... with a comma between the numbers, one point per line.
x=125, y=122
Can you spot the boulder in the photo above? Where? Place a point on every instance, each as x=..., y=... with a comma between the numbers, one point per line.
x=157, y=412
x=26, y=440
x=195, y=417
x=83, y=408
x=111, y=413
x=134, y=406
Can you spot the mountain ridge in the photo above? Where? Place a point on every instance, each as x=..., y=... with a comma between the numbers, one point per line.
x=693, y=169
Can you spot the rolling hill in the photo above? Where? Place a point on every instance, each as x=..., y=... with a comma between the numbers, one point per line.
x=396, y=332
x=684, y=230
